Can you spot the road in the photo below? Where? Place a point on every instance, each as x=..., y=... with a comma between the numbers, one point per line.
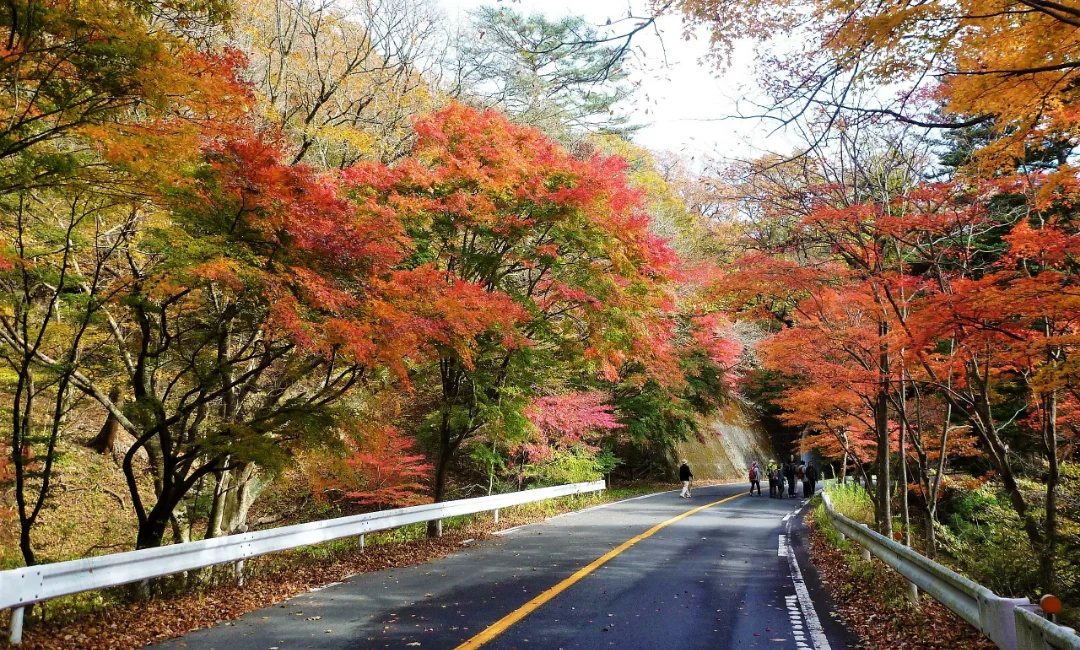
x=659, y=572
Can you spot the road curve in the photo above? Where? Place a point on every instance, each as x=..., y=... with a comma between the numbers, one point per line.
x=653, y=572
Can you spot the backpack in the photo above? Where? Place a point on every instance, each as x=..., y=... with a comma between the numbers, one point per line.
x=776, y=474
x=753, y=474
x=802, y=473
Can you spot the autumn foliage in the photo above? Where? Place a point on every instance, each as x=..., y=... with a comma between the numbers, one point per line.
x=237, y=305
x=937, y=326
x=385, y=471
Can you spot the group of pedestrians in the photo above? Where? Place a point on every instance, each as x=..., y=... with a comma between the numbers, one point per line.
x=776, y=474
x=789, y=473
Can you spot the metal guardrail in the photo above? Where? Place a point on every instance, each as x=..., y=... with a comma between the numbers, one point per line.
x=1033, y=632
x=1011, y=623
x=29, y=585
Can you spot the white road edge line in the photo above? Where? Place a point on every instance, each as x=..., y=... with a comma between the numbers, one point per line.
x=813, y=624
x=781, y=548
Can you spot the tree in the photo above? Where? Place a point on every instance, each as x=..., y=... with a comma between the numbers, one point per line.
x=261, y=300
x=558, y=245
x=566, y=445
x=101, y=69
x=87, y=91
x=54, y=275
x=389, y=473
x=558, y=76
x=341, y=81
x=972, y=282
x=826, y=209
x=1016, y=322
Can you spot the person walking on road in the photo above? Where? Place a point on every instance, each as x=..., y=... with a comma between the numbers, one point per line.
x=800, y=474
x=770, y=471
x=755, y=478
x=685, y=475
x=812, y=476
x=789, y=474
x=778, y=478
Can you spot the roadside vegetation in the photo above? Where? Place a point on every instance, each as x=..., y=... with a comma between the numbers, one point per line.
x=264, y=262
x=870, y=598
x=976, y=537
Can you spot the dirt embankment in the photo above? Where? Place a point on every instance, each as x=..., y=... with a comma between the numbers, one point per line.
x=734, y=438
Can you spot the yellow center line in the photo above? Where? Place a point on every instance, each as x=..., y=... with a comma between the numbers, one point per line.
x=505, y=622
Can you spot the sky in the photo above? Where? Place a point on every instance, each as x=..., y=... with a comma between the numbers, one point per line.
x=688, y=105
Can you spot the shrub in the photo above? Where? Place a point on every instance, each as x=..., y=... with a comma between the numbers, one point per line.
x=853, y=502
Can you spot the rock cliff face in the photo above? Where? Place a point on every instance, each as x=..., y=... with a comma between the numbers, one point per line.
x=734, y=439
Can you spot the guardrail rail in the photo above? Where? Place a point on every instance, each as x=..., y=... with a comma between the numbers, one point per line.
x=25, y=586
x=1011, y=623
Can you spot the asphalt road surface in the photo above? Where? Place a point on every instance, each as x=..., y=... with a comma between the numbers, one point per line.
x=719, y=570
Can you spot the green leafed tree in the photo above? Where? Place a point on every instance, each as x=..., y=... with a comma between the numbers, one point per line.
x=561, y=76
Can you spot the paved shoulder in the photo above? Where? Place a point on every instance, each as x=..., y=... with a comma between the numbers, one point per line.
x=798, y=538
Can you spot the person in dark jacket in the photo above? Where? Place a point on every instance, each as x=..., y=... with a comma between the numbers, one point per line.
x=812, y=476
x=685, y=475
x=789, y=474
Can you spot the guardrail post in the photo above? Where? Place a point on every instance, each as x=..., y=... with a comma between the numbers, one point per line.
x=361, y=540
x=238, y=571
x=913, y=592
x=496, y=515
x=438, y=527
x=15, y=629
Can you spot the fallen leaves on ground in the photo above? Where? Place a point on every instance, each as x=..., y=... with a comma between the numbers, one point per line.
x=871, y=608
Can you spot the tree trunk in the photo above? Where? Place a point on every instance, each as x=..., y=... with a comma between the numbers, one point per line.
x=439, y=485
x=1048, y=554
x=883, y=511
x=25, y=546
x=931, y=534
x=152, y=530
x=905, y=513
x=217, y=506
x=245, y=485
x=105, y=440
x=181, y=529
x=883, y=487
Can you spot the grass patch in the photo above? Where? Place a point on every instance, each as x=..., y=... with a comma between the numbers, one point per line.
x=890, y=586
x=853, y=502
